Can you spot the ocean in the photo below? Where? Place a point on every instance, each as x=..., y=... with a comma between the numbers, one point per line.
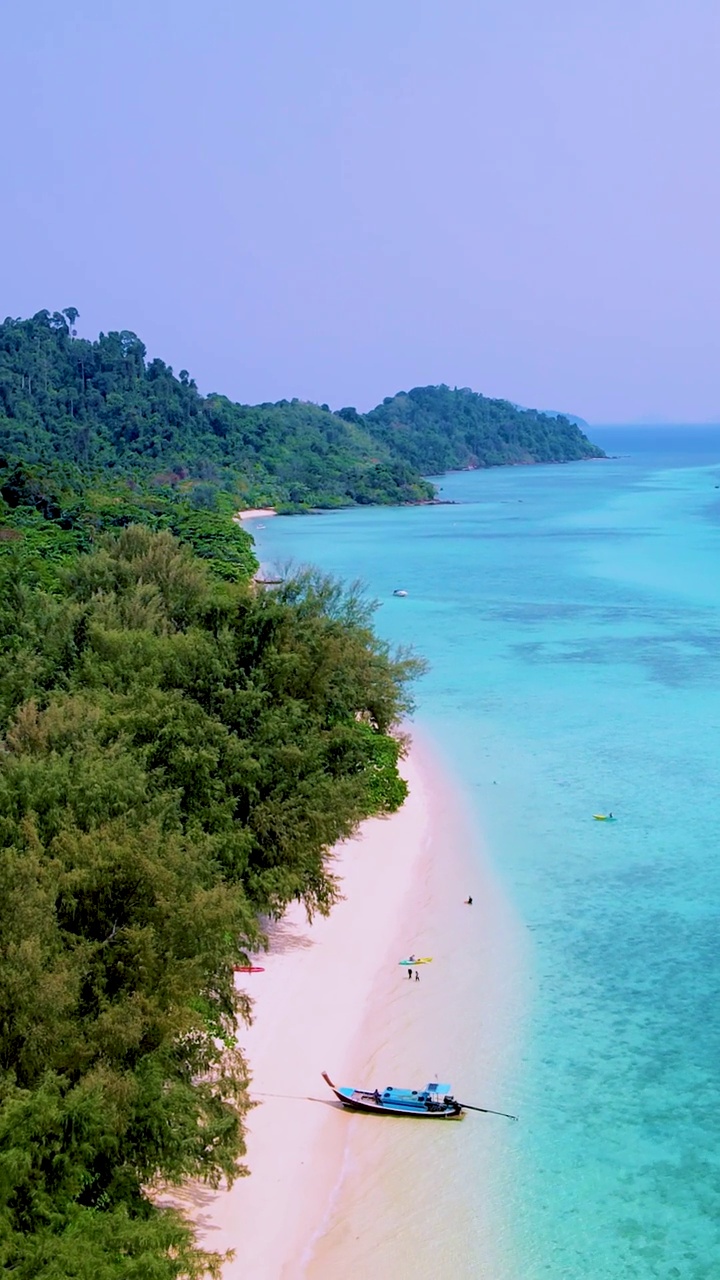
x=571, y=618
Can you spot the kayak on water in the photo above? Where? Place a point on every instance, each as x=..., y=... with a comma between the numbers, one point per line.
x=420, y=960
x=604, y=817
x=248, y=968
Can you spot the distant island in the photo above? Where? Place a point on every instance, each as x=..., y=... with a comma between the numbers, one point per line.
x=556, y=413
x=571, y=417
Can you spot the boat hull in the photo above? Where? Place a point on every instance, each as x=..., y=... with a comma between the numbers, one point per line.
x=397, y=1102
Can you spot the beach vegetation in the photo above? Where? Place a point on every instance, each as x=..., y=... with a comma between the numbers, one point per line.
x=180, y=751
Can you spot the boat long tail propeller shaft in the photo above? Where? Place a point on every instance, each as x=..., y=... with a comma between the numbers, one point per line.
x=488, y=1111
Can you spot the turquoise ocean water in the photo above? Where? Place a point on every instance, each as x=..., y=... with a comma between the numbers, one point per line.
x=571, y=617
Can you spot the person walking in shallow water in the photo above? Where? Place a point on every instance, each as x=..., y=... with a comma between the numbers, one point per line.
x=409, y=973
x=417, y=976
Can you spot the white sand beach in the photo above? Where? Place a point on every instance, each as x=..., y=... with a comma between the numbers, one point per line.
x=256, y=513
x=324, y=1198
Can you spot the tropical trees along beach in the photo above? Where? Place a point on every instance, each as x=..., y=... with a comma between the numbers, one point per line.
x=179, y=750
x=178, y=754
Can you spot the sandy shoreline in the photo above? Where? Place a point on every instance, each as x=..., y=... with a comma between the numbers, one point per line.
x=325, y=1194
x=256, y=513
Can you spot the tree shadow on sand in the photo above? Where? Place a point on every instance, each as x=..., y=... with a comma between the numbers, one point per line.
x=284, y=936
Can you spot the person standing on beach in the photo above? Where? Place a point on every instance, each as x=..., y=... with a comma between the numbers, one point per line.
x=417, y=976
x=409, y=973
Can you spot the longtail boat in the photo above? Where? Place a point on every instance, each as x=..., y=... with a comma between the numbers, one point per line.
x=434, y=1102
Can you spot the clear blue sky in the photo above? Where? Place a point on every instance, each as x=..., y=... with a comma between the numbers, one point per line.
x=336, y=200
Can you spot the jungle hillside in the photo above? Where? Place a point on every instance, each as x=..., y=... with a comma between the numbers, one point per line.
x=88, y=409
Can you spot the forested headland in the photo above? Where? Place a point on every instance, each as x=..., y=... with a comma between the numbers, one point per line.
x=436, y=429
x=75, y=412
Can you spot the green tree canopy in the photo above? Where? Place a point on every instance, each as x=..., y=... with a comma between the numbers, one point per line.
x=101, y=407
x=443, y=429
x=180, y=754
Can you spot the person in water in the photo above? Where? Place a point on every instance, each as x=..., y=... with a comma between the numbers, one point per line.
x=417, y=976
x=468, y=902
x=409, y=973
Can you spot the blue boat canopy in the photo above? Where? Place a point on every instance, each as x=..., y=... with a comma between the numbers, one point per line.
x=438, y=1088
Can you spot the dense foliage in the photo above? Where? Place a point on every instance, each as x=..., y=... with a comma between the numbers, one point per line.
x=81, y=409
x=178, y=754
x=46, y=516
x=439, y=429
x=101, y=407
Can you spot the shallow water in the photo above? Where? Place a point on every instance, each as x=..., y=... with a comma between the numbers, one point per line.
x=571, y=616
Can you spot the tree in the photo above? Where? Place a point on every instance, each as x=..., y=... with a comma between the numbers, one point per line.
x=179, y=755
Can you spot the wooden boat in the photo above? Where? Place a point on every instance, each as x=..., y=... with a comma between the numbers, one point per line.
x=434, y=1102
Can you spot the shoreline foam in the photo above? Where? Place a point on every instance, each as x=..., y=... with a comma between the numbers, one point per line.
x=321, y=1199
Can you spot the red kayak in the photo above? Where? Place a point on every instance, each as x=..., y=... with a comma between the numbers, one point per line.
x=248, y=968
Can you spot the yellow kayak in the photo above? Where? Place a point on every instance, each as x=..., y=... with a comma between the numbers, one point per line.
x=603, y=817
x=420, y=960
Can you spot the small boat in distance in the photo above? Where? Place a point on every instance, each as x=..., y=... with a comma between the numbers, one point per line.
x=399, y=593
x=434, y=1102
x=604, y=817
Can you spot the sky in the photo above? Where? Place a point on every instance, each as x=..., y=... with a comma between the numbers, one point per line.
x=337, y=201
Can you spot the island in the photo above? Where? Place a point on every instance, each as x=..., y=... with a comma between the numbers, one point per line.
x=183, y=747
